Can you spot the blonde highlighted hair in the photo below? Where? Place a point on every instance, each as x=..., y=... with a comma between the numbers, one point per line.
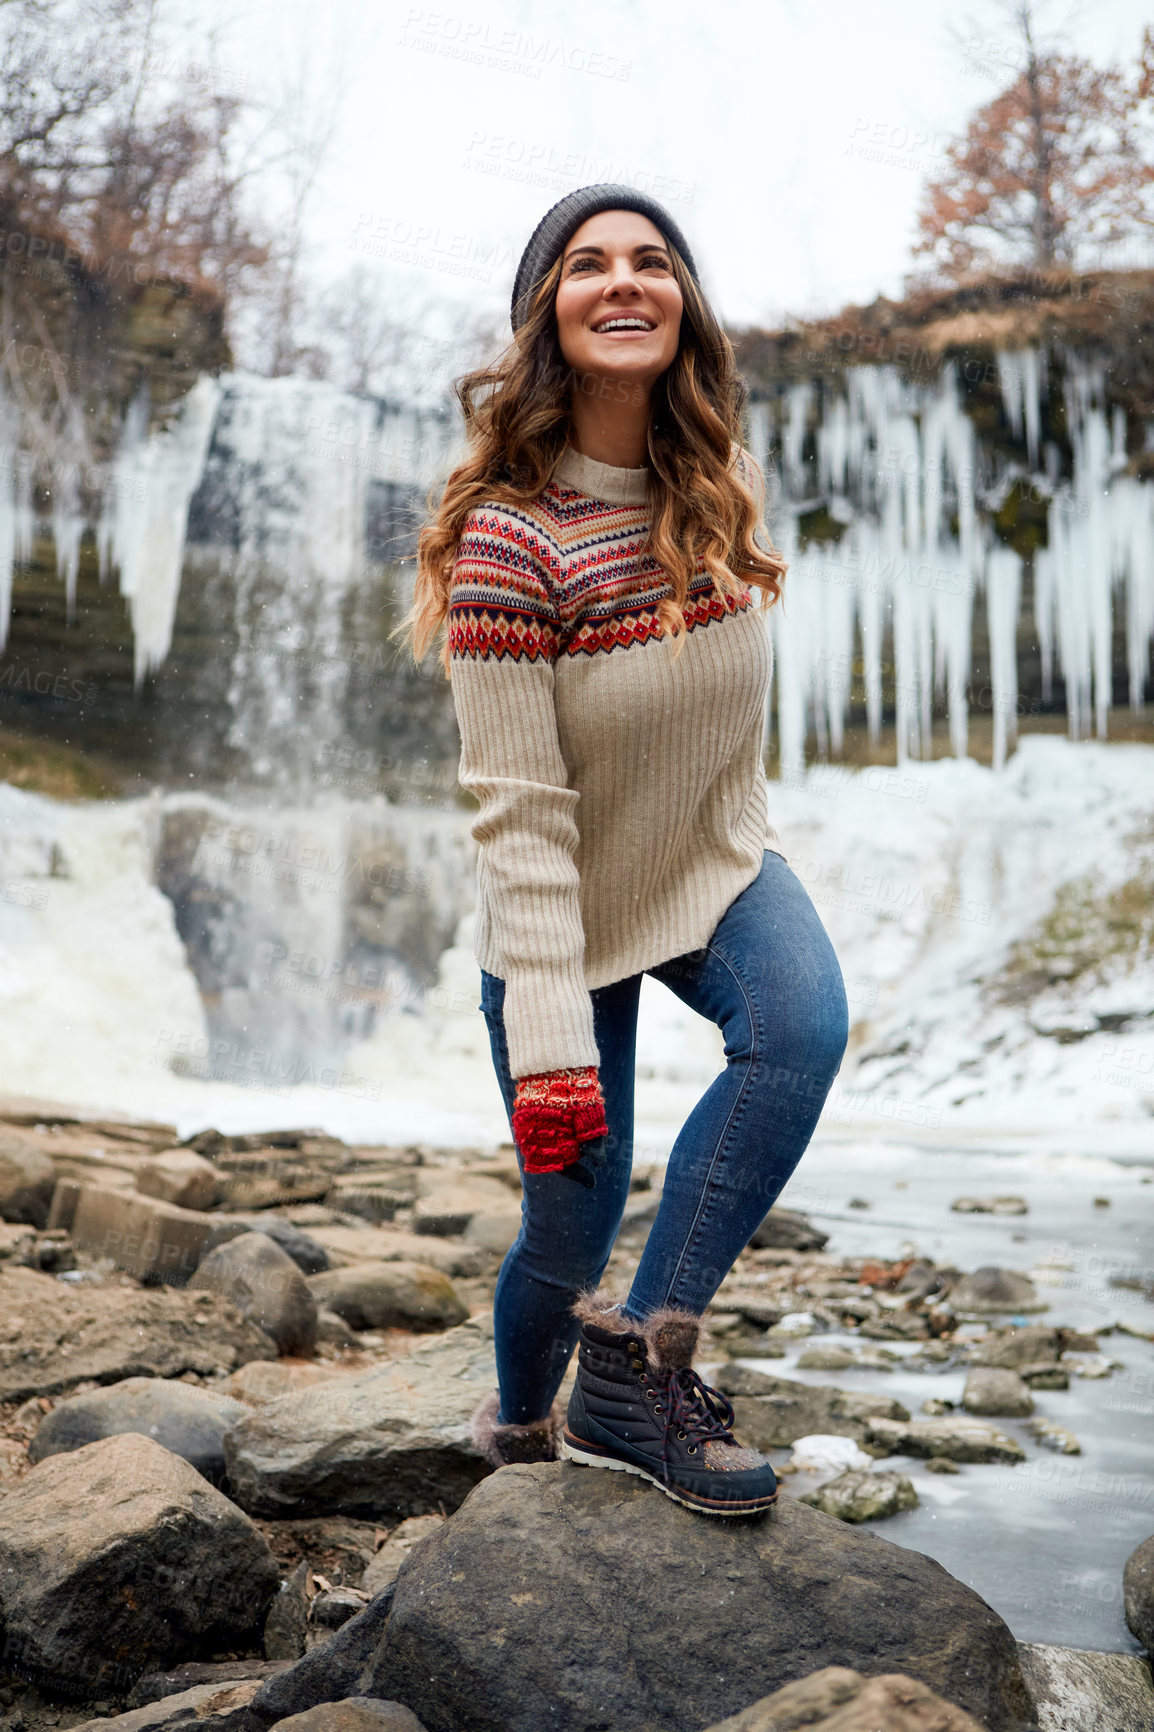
x=518, y=421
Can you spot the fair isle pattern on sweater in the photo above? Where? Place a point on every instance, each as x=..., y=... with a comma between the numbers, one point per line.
x=501, y=608
x=623, y=801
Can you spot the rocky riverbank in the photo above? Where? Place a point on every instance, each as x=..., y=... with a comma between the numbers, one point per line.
x=237, y=1483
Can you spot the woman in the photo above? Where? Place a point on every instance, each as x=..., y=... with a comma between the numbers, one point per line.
x=595, y=557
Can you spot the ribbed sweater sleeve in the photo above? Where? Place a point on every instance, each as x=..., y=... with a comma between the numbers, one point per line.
x=504, y=636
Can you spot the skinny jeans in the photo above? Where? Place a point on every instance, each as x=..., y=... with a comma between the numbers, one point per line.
x=769, y=978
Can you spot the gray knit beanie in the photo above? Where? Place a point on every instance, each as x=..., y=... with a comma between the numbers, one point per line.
x=561, y=222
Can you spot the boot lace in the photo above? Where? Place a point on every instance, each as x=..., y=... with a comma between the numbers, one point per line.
x=695, y=1409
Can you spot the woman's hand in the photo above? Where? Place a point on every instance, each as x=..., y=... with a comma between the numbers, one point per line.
x=556, y=1114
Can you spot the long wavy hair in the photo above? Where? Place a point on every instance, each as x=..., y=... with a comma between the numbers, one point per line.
x=518, y=419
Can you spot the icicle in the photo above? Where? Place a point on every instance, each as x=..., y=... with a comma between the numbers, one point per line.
x=1003, y=587
x=793, y=435
x=151, y=483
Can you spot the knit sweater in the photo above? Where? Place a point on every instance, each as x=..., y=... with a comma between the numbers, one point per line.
x=623, y=800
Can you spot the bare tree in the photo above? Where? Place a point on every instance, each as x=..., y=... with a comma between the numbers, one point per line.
x=1057, y=165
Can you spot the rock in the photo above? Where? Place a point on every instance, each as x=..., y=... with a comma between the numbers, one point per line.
x=222, y=1707
x=896, y=1326
x=155, y=1241
x=393, y=1441
x=267, y=1380
x=1034, y=1344
x=121, y=1548
x=1138, y=1592
x=494, y=1230
x=27, y=1179
x=961, y=1439
x=373, y=1196
x=347, y=1245
x=265, y=1285
x=1052, y=1436
x=155, y=1686
x=787, y=1230
x=991, y=1205
x=335, y=1547
x=307, y=1253
x=579, y=1554
x=832, y=1454
x=936, y=1406
x=53, y=1336
x=863, y=1496
x=837, y=1699
x=330, y=1673
x=1094, y=1365
x=355, y=1714
x=941, y=1464
x=831, y=1358
x=179, y=1176
x=182, y=1417
x=1042, y=1375
x=992, y=1390
x=386, y=1563
x=994, y=1289
x=447, y=1202
x=390, y=1296
x=772, y=1412
x=1075, y=1687
x=331, y=1608
x=333, y=1331
x=286, y=1625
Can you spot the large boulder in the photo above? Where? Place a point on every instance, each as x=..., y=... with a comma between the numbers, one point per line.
x=394, y=1441
x=182, y=1417
x=565, y=1597
x=265, y=1285
x=119, y=1558
x=837, y=1699
x=27, y=1179
x=53, y=1336
x=773, y=1412
x=367, y=1244
x=1138, y=1592
x=390, y=1296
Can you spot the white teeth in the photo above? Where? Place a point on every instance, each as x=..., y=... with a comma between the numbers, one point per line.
x=624, y=325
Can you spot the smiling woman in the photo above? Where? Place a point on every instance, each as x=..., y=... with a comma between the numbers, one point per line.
x=595, y=557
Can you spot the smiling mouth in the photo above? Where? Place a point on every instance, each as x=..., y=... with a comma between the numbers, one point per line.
x=630, y=324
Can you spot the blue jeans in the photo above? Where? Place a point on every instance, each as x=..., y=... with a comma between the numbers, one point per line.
x=769, y=979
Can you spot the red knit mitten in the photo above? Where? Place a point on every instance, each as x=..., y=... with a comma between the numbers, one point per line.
x=554, y=1113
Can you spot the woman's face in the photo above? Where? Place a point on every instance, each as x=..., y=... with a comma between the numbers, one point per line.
x=617, y=267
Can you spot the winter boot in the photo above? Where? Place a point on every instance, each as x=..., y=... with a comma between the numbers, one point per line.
x=639, y=1407
x=503, y=1445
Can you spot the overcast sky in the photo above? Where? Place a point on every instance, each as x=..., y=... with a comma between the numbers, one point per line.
x=789, y=140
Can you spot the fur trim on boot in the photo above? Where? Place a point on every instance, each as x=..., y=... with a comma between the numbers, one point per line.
x=503, y=1445
x=670, y=1334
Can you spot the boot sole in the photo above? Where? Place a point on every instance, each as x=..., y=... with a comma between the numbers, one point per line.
x=588, y=1455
